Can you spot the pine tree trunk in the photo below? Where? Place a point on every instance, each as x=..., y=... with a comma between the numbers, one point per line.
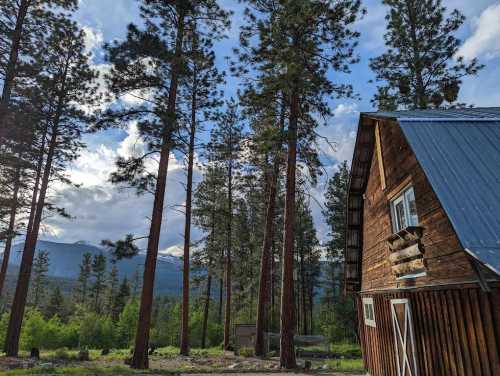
x=10, y=230
x=10, y=70
x=287, y=352
x=206, y=310
x=265, y=266
x=303, y=292
x=221, y=294
x=420, y=100
x=265, y=263
x=19, y=302
x=227, y=313
x=140, y=358
x=184, y=348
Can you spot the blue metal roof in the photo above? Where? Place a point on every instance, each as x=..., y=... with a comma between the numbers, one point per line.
x=483, y=113
x=461, y=159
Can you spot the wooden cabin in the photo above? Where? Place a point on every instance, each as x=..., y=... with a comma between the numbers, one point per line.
x=423, y=241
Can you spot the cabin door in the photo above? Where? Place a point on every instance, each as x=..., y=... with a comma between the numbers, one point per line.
x=402, y=324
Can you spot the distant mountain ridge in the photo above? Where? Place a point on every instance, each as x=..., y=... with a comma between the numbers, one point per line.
x=65, y=259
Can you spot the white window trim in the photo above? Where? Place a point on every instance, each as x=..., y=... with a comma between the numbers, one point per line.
x=401, y=197
x=368, y=321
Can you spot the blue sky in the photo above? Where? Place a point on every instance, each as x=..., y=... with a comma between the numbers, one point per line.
x=104, y=211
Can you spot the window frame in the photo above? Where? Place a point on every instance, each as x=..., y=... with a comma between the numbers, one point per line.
x=402, y=197
x=369, y=321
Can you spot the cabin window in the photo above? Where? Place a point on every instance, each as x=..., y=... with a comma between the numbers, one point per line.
x=368, y=312
x=404, y=210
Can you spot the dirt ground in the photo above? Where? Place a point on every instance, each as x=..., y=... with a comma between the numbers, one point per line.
x=226, y=364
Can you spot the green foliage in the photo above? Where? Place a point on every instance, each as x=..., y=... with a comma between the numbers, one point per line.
x=46, y=334
x=420, y=68
x=247, y=352
x=39, y=279
x=127, y=324
x=82, y=288
x=96, y=331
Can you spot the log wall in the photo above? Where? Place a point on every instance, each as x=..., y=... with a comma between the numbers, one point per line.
x=444, y=257
x=457, y=331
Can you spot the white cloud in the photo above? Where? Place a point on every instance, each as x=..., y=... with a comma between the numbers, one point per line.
x=104, y=211
x=485, y=40
x=93, y=39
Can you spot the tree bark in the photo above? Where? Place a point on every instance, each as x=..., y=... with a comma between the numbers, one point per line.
x=140, y=358
x=287, y=353
x=420, y=101
x=227, y=313
x=206, y=310
x=184, y=348
x=265, y=263
x=10, y=230
x=221, y=293
x=11, y=68
x=303, y=292
x=19, y=302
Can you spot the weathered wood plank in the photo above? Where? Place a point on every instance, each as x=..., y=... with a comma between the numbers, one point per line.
x=471, y=333
x=412, y=266
x=489, y=328
x=447, y=330
x=411, y=251
x=378, y=147
x=480, y=335
x=454, y=332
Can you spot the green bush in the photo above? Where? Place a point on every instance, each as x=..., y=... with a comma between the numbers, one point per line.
x=127, y=324
x=96, y=332
x=62, y=354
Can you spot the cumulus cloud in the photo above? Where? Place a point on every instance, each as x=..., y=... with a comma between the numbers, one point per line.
x=485, y=40
x=93, y=39
x=102, y=210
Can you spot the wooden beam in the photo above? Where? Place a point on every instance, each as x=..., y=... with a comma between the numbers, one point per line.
x=379, y=156
x=409, y=267
x=411, y=251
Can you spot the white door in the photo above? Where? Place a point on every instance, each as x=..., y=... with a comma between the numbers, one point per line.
x=402, y=323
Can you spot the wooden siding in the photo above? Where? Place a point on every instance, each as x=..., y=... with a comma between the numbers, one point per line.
x=456, y=332
x=444, y=257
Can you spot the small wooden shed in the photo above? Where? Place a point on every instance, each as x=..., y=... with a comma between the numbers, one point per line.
x=423, y=241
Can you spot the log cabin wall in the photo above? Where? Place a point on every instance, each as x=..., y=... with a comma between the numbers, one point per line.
x=456, y=331
x=444, y=257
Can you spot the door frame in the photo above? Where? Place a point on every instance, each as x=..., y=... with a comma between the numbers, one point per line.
x=403, y=337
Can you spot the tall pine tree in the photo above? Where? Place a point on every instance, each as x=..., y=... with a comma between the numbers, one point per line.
x=420, y=68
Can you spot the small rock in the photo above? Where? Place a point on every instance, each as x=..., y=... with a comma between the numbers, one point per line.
x=233, y=366
x=324, y=366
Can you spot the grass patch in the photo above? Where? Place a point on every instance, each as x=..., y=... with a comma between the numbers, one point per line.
x=172, y=351
x=346, y=350
x=345, y=365
x=77, y=370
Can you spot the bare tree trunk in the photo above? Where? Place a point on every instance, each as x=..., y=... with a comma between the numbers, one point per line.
x=287, y=353
x=206, y=310
x=227, y=313
x=11, y=68
x=10, y=230
x=184, y=348
x=265, y=264
x=303, y=291
x=19, y=302
x=140, y=358
x=221, y=293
